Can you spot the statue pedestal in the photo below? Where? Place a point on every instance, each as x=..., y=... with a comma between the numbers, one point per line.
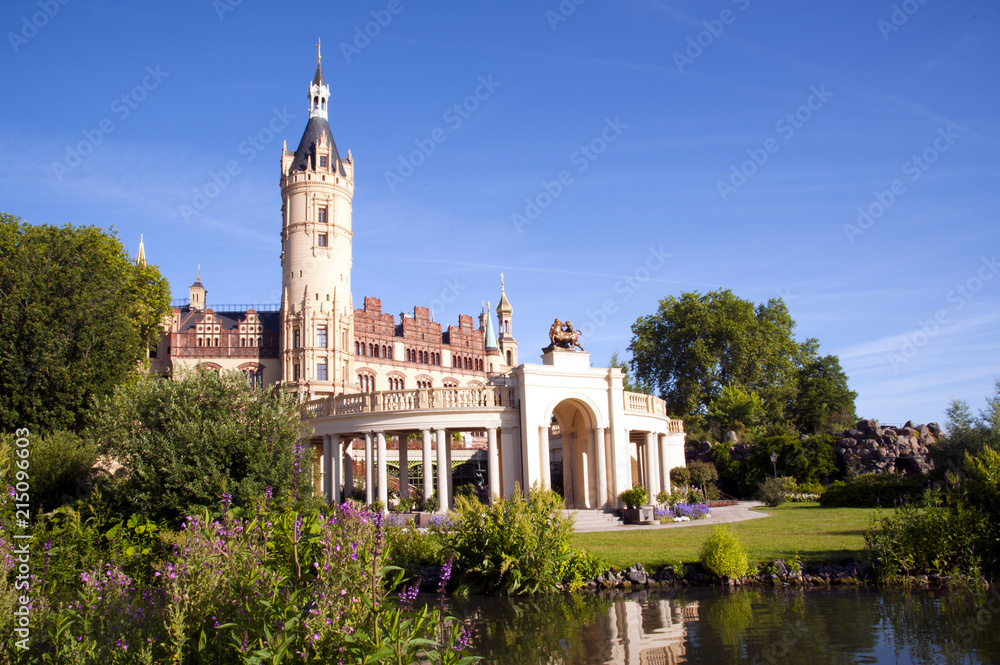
x=566, y=359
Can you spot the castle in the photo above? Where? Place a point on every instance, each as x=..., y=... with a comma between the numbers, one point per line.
x=364, y=376
x=317, y=344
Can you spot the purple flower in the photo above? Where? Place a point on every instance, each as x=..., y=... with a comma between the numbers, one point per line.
x=445, y=576
x=464, y=638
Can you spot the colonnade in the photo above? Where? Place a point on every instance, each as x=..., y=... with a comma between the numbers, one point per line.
x=336, y=468
x=654, y=463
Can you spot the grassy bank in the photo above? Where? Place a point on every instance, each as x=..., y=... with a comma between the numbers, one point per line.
x=814, y=533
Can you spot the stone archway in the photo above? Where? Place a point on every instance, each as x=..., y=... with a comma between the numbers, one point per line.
x=572, y=440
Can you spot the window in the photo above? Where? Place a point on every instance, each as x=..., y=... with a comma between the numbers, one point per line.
x=357, y=349
x=296, y=338
x=407, y=355
x=321, y=371
x=509, y=358
x=321, y=338
x=295, y=372
x=321, y=215
x=322, y=161
x=321, y=242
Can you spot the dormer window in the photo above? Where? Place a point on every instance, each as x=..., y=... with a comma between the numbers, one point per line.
x=323, y=161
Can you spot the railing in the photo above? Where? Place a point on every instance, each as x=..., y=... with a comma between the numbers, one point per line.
x=410, y=400
x=639, y=403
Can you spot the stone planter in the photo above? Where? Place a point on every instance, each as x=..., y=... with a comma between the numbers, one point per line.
x=424, y=519
x=640, y=515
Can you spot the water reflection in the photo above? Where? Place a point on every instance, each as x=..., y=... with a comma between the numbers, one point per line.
x=826, y=627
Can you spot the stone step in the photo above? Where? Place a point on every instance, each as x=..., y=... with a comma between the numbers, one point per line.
x=593, y=520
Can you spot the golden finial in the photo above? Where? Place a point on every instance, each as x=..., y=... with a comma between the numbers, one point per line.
x=319, y=56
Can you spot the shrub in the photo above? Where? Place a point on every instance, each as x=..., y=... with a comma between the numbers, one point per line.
x=679, y=475
x=871, y=490
x=635, y=497
x=936, y=536
x=702, y=473
x=773, y=491
x=515, y=546
x=723, y=555
x=60, y=467
x=185, y=442
x=431, y=505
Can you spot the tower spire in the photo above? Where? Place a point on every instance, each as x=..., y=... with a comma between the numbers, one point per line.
x=140, y=257
x=319, y=91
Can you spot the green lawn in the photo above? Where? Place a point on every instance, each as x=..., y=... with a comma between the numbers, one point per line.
x=814, y=533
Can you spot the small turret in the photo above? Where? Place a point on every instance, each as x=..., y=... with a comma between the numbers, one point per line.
x=197, y=293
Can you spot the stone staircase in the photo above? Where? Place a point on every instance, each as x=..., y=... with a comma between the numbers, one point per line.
x=594, y=520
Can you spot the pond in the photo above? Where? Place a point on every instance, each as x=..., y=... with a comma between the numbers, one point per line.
x=704, y=625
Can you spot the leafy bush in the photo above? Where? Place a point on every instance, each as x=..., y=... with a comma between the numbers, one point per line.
x=187, y=441
x=411, y=549
x=936, y=536
x=773, y=491
x=702, y=473
x=635, y=497
x=809, y=461
x=60, y=467
x=679, y=475
x=582, y=566
x=515, y=546
x=723, y=555
x=871, y=490
x=431, y=505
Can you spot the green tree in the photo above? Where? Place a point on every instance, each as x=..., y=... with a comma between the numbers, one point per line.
x=185, y=442
x=737, y=409
x=697, y=344
x=76, y=320
x=966, y=434
x=629, y=383
x=823, y=401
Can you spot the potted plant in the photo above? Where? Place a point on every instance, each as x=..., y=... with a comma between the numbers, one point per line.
x=636, y=511
x=430, y=507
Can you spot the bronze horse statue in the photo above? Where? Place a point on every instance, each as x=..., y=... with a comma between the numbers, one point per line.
x=562, y=335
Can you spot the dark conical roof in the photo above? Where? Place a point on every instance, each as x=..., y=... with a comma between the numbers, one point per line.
x=305, y=155
x=318, y=78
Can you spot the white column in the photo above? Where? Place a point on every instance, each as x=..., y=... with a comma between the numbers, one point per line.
x=652, y=452
x=336, y=467
x=449, y=478
x=369, y=470
x=511, y=451
x=601, y=466
x=404, y=470
x=325, y=476
x=543, y=454
x=664, y=463
x=426, y=462
x=383, y=476
x=443, y=470
x=348, y=460
x=493, y=461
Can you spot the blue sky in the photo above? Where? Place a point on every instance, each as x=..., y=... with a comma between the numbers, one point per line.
x=618, y=152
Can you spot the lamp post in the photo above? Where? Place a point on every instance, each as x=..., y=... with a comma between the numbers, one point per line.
x=774, y=462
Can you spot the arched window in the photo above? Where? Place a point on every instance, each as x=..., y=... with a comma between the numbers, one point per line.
x=199, y=341
x=243, y=341
x=510, y=358
x=390, y=352
x=216, y=341
x=407, y=355
x=371, y=350
x=383, y=352
x=357, y=349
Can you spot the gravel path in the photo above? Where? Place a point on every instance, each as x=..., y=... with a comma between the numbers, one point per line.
x=738, y=513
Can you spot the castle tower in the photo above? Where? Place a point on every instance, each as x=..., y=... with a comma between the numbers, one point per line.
x=317, y=188
x=506, y=341
x=494, y=361
x=197, y=293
